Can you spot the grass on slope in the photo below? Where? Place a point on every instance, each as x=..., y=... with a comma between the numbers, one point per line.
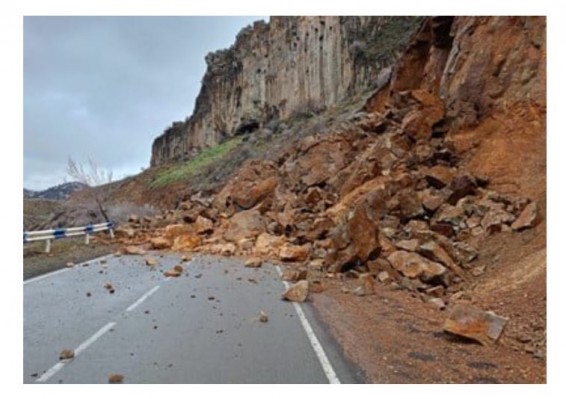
x=179, y=172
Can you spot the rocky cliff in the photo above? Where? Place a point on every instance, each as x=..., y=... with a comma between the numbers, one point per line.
x=291, y=64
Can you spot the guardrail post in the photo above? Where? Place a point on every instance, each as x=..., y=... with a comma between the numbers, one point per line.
x=87, y=239
x=48, y=246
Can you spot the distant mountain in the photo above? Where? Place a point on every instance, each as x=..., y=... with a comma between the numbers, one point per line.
x=60, y=192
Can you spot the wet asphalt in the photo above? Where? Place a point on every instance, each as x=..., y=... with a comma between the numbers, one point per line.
x=201, y=327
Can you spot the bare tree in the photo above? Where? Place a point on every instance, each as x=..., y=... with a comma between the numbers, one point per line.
x=92, y=176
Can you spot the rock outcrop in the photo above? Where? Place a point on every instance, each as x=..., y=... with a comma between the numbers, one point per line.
x=289, y=65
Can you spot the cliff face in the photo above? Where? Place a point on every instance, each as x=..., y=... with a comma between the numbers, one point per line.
x=288, y=65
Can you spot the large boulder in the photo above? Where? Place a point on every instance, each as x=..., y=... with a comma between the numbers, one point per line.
x=356, y=240
x=161, y=243
x=268, y=245
x=318, y=159
x=255, y=181
x=471, y=322
x=245, y=224
x=294, y=253
x=297, y=292
x=186, y=242
x=204, y=225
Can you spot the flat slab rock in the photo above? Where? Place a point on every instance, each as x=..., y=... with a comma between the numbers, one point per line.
x=471, y=322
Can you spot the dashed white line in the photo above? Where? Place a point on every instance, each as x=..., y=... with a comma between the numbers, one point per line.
x=57, y=367
x=143, y=298
x=315, y=343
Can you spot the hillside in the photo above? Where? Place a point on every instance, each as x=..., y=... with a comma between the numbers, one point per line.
x=59, y=192
x=400, y=200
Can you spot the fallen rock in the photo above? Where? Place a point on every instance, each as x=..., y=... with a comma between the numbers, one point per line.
x=133, y=250
x=297, y=292
x=66, y=354
x=384, y=277
x=175, y=272
x=245, y=224
x=267, y=244
x=527, y=218
x=204, y=225
x=175, y=230
x=160, y=243
x=227, y=249
x=253, y=262
x=471, y=322
x=451, y=214
x=186, y=242
x=412, y=265
x=70, y=264
x=495, y=219
x=186, y=258
x=356, y=240
x=263, y=317
x=436, y=253
x=439, y=176
x=294, y=253
x=431, y=201
x=115, y=378
x=461, y=187
x=150, y=261
x=294, y=275
x=408, y=245
x=437, y=303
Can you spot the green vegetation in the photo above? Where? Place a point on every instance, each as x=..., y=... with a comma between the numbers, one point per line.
x=179, y=172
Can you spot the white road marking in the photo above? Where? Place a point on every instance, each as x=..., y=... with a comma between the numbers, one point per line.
x=57, y=367
x=315, y=343
x=31, y=280
x=143, y=298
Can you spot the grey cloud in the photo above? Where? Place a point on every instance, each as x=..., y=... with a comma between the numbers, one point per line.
x=105, y=87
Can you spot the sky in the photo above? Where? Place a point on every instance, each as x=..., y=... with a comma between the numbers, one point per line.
x=104, y=87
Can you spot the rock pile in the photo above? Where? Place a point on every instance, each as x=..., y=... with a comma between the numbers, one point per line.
x=387, y=197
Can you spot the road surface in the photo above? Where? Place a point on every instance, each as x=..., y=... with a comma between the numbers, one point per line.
x=201, y=327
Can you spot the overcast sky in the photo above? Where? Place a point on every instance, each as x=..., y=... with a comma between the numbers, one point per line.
x=105, y=87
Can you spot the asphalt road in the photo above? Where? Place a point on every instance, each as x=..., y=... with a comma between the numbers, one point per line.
x=201, y=327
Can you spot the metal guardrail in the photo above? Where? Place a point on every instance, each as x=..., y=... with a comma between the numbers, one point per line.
x=55, y=234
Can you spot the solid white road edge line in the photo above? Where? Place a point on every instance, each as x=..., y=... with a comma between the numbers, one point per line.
x=57, y=367
x=143, y=298
x=34, y=279
x=315, y=343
